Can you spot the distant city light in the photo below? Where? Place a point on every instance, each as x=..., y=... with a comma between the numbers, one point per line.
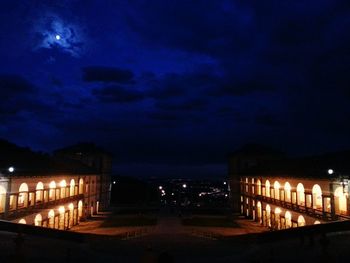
x=114, y=182
x=226, y=195
x=225, y=183
x=172, y=193
x=160, y=187
x=200, y=195
x=184, y=185
x=11, y=169
x=330, y=171
x=58, y=37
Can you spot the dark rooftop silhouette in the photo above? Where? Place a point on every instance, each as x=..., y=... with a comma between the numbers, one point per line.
x=27, y=161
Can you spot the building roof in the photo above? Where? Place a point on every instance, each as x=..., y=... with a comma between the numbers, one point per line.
x=27, y=162
x=309, y=166
x=253, y=149
x=81, y=148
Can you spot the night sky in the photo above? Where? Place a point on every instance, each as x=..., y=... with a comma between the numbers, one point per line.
x=170, y=87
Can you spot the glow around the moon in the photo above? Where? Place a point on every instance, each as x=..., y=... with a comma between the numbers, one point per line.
x=59, y=34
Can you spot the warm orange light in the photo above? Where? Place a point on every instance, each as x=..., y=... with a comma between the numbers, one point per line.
x=52, y=184
x=61, y=209
x=63, y=183
x=51, y=214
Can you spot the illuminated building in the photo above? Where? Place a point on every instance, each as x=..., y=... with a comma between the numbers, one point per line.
x=281, y=193
x=53, y=191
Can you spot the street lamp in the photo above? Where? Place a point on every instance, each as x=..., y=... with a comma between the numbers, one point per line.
x=11, y=169
x=330, y=171
x=184, y=186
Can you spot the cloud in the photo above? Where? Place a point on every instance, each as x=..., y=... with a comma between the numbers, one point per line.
x=117, y=94
x=267, y=120
x=19, y=95
x=191, y=83
x=188, y=105
x=53, y=32
x=107, y=74
x=164, y=116
x=13, y=85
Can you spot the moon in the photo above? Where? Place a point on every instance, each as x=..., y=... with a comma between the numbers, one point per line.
x=58, y=37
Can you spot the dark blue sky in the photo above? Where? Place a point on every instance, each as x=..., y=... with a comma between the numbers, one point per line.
x=170, y=87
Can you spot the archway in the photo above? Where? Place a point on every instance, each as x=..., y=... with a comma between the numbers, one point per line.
x=22, y=221
x=51, y=217
x=267, y=188
x=71, y=187
x=258, y=210
x=37, y=220
x=268, y=215
x=300, y=194
x=301, y=221
x=258, y=187
x=39, y=192
x=80, y=210
x=340, y=201
x=288, y=217
x=2, y=198
x=276, y=187
x=63, y=185
x=81, y=186
x=317, y=196
x=61, y=219
x=277, y=218
x=70, y=215
x=317, y=222
x=52, y=191
x=287, y=192
x=23, y=195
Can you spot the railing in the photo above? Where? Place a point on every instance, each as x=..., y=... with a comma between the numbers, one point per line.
x=42, y=205
x=318, y=213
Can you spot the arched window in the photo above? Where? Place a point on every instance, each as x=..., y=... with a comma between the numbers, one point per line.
x=71, y=187
x=81, y=186
x=287, y=193
x=301, y=221
x=317, y=222
x=267, y=187
x=52, y=191
x=258, y=187
x=288, y=217
x=301, y=194
x=23, y=195
x=22, y=221
x=317, y=196
x=340, y=201
x=38, y=219
x=276, y=187
x=63, y=185
x=39, y=192
x=2, y=198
